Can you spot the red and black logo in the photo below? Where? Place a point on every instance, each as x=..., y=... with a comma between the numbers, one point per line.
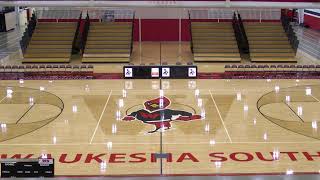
x=157, y=113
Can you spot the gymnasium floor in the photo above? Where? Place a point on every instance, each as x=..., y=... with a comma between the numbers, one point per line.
x=229, y=126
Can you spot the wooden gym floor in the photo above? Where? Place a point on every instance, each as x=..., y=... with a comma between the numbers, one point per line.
x=246, y=126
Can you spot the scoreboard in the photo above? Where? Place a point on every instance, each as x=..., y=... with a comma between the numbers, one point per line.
x=27, y=168
x=163, y=72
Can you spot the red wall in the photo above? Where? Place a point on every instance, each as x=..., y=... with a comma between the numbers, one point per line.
x=313, y=22
x=164, y=29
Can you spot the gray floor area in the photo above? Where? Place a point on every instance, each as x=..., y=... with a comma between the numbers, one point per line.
x=10, y=43
x=309, y=41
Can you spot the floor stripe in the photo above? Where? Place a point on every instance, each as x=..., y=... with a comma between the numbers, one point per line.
x=3, y=99
x=25, y=113
x=315, y=98
x=104, y=109
x=149, y=143
x=293, y=111
x=215, y=104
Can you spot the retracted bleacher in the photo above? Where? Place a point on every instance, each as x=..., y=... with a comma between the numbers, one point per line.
x=108, y=42
x=214, y=42
x=268, y=42
x=51, y=42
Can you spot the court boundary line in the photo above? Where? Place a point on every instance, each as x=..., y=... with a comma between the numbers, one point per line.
x=284, y=174
x=143, y=143
x=215, y=104
x=103, y=111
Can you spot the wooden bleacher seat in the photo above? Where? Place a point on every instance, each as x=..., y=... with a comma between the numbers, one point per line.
x=214, y=42
x=108, y=42
x=51, y=42
x=268, y=42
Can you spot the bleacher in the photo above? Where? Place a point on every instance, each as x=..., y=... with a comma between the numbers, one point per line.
x=268, y=42
x=273, y=71
x=54, y=72
x=108, y=42
x=51, y=42
x=214, y=42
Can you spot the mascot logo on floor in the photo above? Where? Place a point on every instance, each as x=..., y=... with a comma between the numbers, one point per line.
x=157, y=113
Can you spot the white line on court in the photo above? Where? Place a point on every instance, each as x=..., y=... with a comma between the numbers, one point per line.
x=104, y=109
x=3, y=99
x=220, y=116
x=143, y=143
x=315, y=98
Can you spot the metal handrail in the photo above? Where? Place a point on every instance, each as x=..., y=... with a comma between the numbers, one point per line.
x=190, y=30
x=24, y=42
x=76, y=34
x=85, y=32
x=132, y=33
x=290, y=33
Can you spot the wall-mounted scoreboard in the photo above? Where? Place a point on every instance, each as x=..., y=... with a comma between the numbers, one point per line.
x=163, y=72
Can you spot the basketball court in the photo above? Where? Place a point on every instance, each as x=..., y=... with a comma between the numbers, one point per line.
x=160, y=89
x=91, y=127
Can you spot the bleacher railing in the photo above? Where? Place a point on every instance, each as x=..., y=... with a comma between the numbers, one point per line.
x=76, y=35
x=260, y=14
x=57, y=13
x=243, y=34
x=211, y=14
x=290, y=33
x=240, y=34
x=237, y=32
x=28, y=33
x=132, y=34
x=115, y=13
x=190, y=30
x=85, y=33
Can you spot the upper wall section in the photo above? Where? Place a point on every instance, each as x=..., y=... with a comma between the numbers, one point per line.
x=178, y=4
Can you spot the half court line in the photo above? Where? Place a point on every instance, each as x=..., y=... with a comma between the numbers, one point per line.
x=104, y=109
x=225, y=128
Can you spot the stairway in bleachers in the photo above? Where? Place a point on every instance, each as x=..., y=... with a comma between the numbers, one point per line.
x=268, y=42
x=51, y=42
x=108, y=42
x=214, y=42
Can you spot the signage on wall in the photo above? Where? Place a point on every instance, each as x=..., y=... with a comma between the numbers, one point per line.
x=164, y=72
x=192, y=72
x=154, y=72
x=128, y=72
